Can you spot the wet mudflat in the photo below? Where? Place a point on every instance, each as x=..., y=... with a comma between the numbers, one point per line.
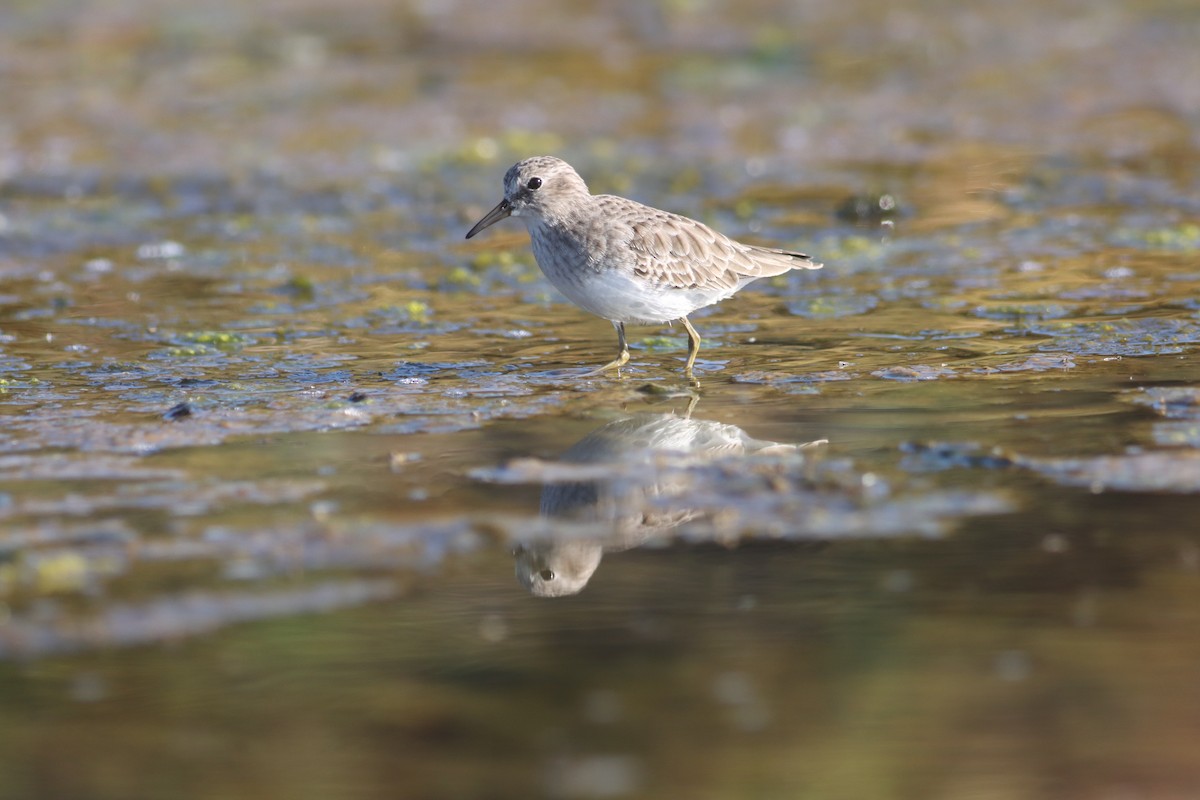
x=303, y=495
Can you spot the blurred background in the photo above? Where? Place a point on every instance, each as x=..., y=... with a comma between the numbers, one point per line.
x=260, y=402
x=371, y=91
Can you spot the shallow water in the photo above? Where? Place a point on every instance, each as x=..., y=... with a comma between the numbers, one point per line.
x=284, y=460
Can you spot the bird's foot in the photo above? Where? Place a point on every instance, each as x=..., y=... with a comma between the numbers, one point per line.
x=614, y=365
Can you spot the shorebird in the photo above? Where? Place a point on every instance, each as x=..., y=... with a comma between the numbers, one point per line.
x=624, y=261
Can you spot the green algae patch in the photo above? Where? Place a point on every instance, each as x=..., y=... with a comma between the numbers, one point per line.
x=220, y=340
x=417, y=311
x=849, y=248
x=661, y=342
x=833, y=306
x=1023, y=311
x=461, y=276
x=1183, y=237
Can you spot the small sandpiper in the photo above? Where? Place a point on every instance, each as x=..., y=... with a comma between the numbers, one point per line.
x=624, y=261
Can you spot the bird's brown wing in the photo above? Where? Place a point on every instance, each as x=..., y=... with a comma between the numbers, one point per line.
x=679, y=252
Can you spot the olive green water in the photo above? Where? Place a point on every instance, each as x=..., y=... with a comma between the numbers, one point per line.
x=275, y=439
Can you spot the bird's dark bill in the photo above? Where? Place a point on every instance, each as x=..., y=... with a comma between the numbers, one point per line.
x=495, y=215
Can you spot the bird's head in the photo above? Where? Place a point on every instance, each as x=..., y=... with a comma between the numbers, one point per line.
x=542, y=187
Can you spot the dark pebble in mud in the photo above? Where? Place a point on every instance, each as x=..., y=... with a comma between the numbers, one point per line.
x=178, y=411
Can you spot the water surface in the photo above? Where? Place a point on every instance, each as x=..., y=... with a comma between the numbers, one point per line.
x=285, y=463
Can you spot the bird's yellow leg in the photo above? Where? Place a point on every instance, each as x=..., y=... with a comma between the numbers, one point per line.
x=622, y=357
x=693, y=345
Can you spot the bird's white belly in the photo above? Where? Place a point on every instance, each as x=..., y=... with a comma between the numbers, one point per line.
x=598, y=278
x=617, y=295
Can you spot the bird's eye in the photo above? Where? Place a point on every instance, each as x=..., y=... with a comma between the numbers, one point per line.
x=546, y=574
x=534, y=183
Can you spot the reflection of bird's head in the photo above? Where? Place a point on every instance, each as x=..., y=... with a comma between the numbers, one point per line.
x=557, y=569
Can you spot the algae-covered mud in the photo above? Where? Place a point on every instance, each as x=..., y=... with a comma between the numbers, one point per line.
x=301, y=494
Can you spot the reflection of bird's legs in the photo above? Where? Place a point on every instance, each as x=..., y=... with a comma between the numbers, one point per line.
x=622, y=357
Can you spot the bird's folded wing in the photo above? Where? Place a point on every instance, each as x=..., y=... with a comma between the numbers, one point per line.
x=686, y=254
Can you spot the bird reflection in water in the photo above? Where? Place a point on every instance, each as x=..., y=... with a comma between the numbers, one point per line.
x=641, y=488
